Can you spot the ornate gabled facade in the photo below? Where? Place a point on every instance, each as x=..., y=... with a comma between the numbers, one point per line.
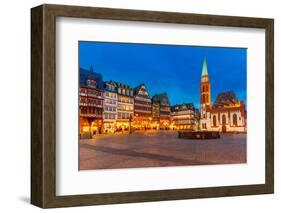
x=90, y=103
x=109, y=106
x=161, y=111
x=142, y=108
x=125, y=106
x=184, y=117
x=227, y=114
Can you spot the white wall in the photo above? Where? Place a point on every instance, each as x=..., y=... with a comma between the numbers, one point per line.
x=15, y=104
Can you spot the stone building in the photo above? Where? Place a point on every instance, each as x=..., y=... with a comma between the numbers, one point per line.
x=227, y=114
x=184, y=117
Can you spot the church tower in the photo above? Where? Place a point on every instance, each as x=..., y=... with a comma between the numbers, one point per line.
x=205, y=96
x=205, y=87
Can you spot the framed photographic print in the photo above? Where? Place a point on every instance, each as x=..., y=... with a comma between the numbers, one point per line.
x=137, y=106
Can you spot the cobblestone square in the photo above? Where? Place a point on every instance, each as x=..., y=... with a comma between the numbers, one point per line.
x=158, y=149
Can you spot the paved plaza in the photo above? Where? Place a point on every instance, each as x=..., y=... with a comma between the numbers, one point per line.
x=157, y=149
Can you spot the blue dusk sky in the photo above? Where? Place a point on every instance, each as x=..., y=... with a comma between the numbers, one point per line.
x=168, y=68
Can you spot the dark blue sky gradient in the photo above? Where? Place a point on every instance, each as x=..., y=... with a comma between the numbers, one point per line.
x=168, y=68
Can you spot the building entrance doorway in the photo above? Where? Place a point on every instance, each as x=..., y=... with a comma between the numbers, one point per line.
x=223, y=123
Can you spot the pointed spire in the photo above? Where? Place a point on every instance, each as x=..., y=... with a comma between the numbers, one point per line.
x=91, y=69
x=204, y=68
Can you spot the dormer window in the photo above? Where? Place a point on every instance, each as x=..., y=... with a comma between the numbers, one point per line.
x=91, y=83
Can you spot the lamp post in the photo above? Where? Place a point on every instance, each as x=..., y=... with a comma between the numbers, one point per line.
x=150, y=119
x=130, y=123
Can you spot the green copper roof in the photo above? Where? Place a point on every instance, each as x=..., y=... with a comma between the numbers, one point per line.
x=204, y=68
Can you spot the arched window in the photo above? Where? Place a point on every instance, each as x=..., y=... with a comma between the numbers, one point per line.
x=214, y=121
x=234, y=119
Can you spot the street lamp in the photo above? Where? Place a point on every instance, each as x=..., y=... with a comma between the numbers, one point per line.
x=130, y=124
x=149, y=123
